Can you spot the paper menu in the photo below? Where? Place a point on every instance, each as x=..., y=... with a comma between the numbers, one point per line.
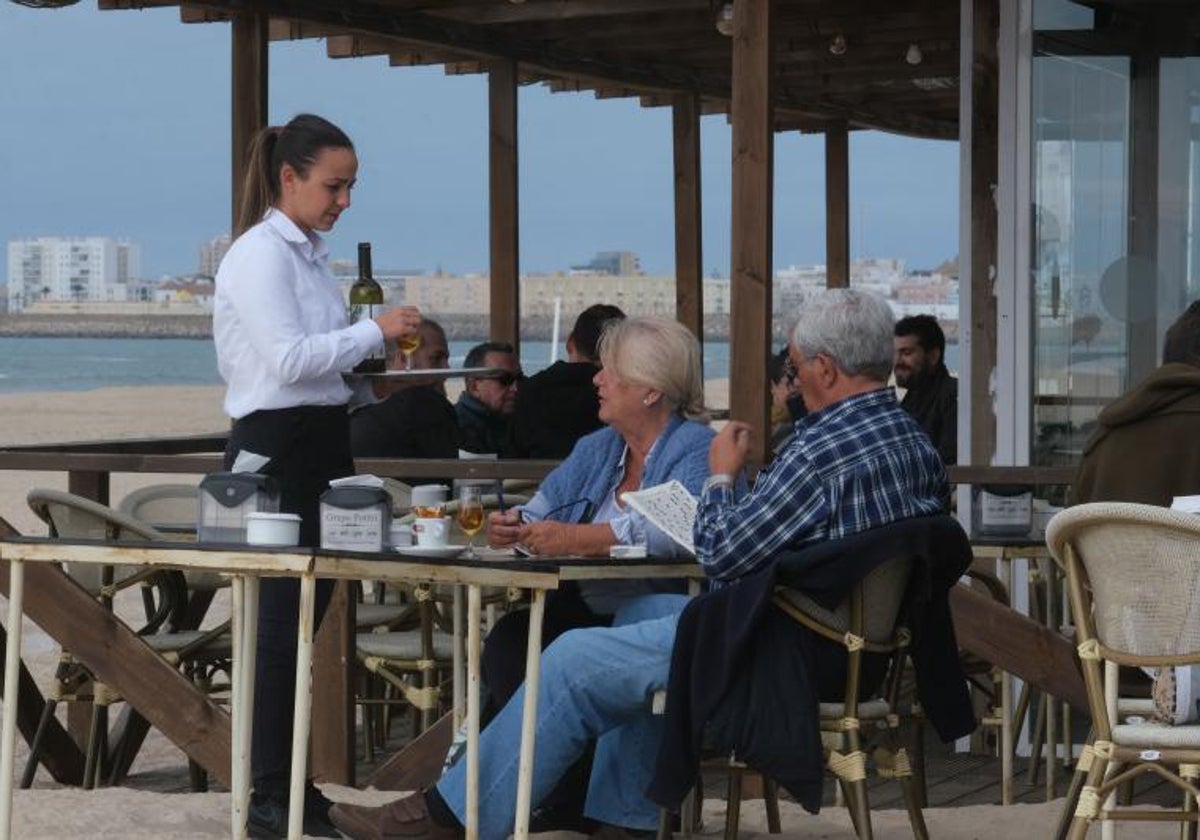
x=670, y=507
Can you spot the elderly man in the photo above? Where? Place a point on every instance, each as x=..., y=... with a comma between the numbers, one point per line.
x=485, y=407
x=415, y=420
x=855, y=462
x=932, y=395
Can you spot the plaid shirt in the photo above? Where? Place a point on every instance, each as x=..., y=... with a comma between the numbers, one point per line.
x=857, y=464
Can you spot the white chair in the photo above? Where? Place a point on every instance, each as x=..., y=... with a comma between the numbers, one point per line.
x=1133, y=573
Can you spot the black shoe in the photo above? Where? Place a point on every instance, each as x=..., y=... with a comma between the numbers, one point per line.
x=268, y=819
x=316, y=804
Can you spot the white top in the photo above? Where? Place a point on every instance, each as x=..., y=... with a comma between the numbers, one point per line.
x=279, y=322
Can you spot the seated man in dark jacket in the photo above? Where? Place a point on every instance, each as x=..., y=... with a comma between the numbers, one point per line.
x=932, y=395
x=416, y=420
x=558, y=406
x=485, y=407
x=855, y=462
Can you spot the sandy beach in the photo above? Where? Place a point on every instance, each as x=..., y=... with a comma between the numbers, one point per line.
x=153, y=804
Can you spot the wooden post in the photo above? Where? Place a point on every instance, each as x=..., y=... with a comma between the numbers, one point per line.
x=504, y=202
x=249, y=95
x=689, y=282
x=837, y=208
x=753, y=164
x=333, y=690
x=978, y=263
x=1141, y=292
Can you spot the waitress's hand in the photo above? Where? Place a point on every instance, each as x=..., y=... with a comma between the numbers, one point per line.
x=504, y=527
x=401, y=320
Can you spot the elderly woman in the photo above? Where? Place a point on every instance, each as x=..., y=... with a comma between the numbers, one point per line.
x=651, y=394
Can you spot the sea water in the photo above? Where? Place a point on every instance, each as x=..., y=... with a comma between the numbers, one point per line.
x=81, y=364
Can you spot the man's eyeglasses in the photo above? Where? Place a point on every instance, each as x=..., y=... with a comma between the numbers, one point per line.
x=504, y=380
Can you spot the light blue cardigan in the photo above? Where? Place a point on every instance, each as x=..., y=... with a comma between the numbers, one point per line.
x=593, y=470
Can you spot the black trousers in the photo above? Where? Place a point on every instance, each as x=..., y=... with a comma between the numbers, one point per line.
x=308, y=446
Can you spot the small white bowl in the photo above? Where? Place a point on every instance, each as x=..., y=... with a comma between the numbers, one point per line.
x=277, y=529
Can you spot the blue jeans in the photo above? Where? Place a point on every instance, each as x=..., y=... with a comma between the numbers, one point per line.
x=596, y=683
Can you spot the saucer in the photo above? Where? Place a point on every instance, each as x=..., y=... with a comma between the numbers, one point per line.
x=446, y=552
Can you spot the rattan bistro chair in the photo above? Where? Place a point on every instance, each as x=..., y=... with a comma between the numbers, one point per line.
x=871, y=621
x=1133, y=573
x=200, y=654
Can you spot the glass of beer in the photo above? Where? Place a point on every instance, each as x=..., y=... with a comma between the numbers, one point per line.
x=470, y=515
x=408, y=344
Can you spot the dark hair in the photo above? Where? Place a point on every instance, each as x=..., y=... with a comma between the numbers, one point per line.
x=298, y=144
x=1182, y=342
x=589, y=326
x=777, y=365
x=929, y=334
x=476, y=354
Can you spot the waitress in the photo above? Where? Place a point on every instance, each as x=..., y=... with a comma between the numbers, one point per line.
x=283, y=342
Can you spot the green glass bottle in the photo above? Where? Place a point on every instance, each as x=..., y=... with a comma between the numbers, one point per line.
x=366, y=301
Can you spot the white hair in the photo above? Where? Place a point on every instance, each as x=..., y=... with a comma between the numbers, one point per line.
x=657, y=353
x=852, y=327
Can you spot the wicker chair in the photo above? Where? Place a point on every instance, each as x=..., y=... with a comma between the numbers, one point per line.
x=200, y=654
x=1133, y=573
x=869, y=621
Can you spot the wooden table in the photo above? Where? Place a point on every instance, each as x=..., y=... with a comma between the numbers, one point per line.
x=247, y=564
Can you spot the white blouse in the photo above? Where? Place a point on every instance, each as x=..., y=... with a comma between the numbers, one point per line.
x=279, y=322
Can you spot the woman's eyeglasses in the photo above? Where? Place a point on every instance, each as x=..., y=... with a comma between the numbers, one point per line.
x=568, y=507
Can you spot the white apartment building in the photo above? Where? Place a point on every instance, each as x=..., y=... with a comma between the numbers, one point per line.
x=75, y=268
x=212, y=252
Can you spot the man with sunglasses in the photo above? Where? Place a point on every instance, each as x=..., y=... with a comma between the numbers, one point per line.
x=485, y=408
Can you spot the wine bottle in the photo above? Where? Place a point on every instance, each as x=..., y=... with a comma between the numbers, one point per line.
x=366, y=301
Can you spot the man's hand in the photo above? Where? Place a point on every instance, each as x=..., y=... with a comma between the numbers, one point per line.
x=504, y=528
x=729, y=448
x=549, y=537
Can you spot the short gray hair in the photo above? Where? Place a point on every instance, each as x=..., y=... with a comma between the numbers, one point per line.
x=657, y=353
x=852, y=327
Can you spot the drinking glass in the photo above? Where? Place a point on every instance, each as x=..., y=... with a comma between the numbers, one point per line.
x=470, y=515
x=408, y=345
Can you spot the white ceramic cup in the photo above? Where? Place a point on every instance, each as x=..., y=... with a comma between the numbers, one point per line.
x=276, y=529
x=432, y=532
x=400, y=535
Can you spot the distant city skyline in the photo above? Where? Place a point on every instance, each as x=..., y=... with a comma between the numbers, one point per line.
x=116, y=124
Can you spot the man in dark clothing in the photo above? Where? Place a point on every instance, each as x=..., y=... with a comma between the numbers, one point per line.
x=416, y=420
x=932, y=393
x=484, y=409
x=1145, y=448
x=558, y=405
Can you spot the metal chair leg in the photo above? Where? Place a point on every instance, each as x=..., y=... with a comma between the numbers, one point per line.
x=35, y=749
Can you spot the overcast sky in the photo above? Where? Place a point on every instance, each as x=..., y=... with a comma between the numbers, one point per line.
x=117, y=124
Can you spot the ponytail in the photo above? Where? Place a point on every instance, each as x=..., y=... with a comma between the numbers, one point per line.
x=260, y=188
x=297, y=144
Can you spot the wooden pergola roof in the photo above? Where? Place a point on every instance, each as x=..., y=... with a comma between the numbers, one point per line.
x=652, y=49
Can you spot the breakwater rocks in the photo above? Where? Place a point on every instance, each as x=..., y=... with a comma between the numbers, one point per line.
x=458, y=327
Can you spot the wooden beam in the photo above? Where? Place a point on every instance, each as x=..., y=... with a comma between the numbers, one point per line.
x=981, y=122
x=116, y=655
x=1017, y=644
x=837, y=208
x=334, y=667
x=249, y=96
x=689, y=249
x=752, y=207
x=552, y=10
x=504, y=202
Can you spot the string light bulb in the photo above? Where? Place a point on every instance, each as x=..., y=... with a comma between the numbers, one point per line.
x=914, y=56
x=837, y=46
x=724, y=19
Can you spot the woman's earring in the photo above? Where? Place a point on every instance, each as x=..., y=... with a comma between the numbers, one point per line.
x=646, y=401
